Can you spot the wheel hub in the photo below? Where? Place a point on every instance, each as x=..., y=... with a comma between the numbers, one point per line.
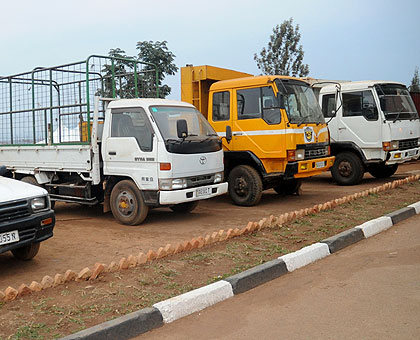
x=241, y=186
x=125, y=203
x=345, y=169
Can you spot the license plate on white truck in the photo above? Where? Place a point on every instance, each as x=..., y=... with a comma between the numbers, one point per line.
x=9, y=237
x=203, y=191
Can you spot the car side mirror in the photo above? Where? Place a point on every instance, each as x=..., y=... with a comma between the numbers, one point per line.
x=182, y=128
x=228, y=133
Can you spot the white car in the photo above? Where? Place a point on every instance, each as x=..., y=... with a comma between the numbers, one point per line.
x=26, y=218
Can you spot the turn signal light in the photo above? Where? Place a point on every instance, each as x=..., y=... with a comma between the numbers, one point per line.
x=165, y=166
x=46, y=221
x=291, y=155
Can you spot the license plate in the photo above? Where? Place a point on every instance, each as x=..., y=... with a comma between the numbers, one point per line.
x=203, y=191
x=9, y=237
x=320, y=164
x=411, y=153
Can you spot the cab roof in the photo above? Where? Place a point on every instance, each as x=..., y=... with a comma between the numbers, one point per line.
x=249, y=81
x=144, y=102
x=356, y=85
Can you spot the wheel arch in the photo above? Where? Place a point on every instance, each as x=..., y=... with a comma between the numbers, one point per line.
x=235, y=158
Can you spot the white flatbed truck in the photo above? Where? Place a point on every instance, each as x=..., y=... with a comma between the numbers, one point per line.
x=129, y=154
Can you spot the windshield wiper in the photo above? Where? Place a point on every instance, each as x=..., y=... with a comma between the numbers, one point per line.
x=302, y=120
x=398, y=115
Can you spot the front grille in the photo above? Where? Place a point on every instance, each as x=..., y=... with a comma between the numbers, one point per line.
x=408, y=144
x=197, y=181
x=316, y=153
x=11, y=211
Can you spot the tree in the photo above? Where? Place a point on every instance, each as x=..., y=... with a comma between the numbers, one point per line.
x=156, y=53
x=415, y=82
x=283, y=54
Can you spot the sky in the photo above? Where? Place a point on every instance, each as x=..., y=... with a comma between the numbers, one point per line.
x=347, y=40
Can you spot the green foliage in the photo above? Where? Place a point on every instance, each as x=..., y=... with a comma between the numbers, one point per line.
x=283, y=55
x=157, y=53
x=158, y=62
x=415, y=82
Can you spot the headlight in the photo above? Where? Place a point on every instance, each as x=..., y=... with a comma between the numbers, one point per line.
x=392, y=145
x=172, y=183
x=38, y=203
x=300, y=154
x=218, y=177
x=418, y=142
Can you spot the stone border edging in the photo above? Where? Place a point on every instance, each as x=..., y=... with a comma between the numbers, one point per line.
x=131, y=261
x=203, y=297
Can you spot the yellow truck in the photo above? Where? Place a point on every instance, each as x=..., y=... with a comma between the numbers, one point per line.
x=273, y=130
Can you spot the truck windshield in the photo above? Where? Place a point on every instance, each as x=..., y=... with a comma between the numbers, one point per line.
x=300, y=102
x=396, y=102
x=167, y=116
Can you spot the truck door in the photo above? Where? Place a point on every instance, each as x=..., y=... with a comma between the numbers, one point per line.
x=220, y=114
x=131, y=148
x=257, y=124
x=358, y=120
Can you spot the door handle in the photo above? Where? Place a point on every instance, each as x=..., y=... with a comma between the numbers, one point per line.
x=238, y=133
x=342, y=128
x=112, y=153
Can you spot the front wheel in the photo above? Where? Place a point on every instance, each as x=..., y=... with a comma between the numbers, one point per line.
x=186, y=207
x=288, y=187
x=382, y=171
x=26, y=253
x=127, y=204
x=347, y=169
x=245, y=185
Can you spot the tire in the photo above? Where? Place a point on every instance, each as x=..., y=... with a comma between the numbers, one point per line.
x=30, y=180
x=127, y=204
x=348, y=169
x=186, y=207
x=245, y=186
x=382, y=171
x=26, y=253
x=288, y=187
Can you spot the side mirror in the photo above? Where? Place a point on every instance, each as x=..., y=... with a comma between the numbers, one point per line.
x=3, y=170
x=228, y=133
x=181, y=128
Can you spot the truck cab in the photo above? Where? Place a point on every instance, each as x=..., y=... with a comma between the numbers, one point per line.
x=274, y=132
x=26, y=218
x=374, y=127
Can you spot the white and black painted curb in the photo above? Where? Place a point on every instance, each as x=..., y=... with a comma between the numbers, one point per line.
x=167, y=311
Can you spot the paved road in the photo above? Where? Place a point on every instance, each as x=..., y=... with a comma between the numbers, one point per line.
x=370, y=290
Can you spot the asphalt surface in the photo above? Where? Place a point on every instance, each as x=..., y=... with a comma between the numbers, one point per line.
x=370, y=290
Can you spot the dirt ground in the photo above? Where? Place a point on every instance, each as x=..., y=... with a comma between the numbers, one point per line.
x=84, y=236
x=77, y=305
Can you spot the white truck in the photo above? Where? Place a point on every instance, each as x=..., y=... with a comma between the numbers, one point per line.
x=26, y=218
x=129, y=154
x=374, y=127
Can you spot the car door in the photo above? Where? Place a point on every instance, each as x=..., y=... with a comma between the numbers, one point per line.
x=131, y=148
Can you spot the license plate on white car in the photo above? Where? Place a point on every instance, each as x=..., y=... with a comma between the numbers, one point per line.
x=320, y=164
x=9, y=237
x=203, y=191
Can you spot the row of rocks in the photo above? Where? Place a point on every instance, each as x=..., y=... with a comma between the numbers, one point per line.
x=131, y=261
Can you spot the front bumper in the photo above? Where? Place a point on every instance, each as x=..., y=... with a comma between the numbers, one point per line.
x=312, y=167
x=401, y=156
x=187, y=195
x=29, y=228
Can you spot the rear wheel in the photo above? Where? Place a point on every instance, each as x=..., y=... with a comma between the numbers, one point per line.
x=382, y=171
x=288, y=187
x=26, y=253
x=245, y=185
x=127, y=204
x=186, y=207
x=347, y=169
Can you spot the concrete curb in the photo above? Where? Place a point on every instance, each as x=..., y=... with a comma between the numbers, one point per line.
x=124, y=327
x=177, y=307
